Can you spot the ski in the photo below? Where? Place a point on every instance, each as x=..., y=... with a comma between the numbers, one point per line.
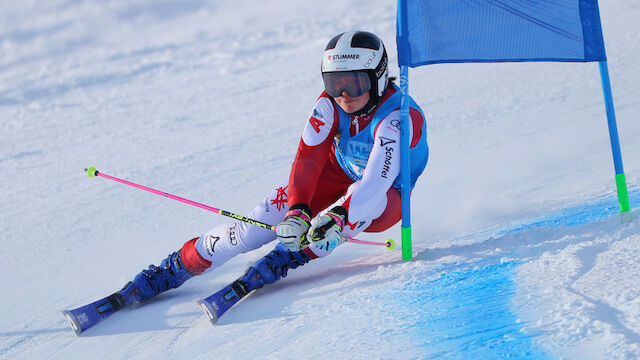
x=218, y=303
x=213, y=306
x=88, y=315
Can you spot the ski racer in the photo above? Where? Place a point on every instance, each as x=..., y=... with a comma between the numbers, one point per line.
x=344, y=179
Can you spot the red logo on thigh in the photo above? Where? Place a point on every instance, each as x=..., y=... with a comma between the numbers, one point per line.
x=281, y=198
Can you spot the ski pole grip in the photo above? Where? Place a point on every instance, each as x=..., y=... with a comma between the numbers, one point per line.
x=92, y=172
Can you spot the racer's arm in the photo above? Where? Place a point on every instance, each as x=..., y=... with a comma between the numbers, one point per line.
x=313, y=151
x=366, y=198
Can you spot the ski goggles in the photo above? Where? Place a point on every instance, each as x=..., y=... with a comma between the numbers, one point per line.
x=355, y=83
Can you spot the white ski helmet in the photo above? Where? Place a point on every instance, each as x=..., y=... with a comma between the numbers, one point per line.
x=358, y=51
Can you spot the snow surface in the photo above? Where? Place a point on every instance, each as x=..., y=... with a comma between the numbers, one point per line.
x=519, y=249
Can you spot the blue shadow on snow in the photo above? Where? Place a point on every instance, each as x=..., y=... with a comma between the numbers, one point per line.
x=581, y=214
x=466, y=314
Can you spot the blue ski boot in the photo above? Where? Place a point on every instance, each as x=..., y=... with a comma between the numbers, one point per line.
x=273, y=266
x=267, y=270
x=156, y=279
x=149, y=282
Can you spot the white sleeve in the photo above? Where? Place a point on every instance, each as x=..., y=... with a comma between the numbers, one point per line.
x=368, y=197
x=320, y=123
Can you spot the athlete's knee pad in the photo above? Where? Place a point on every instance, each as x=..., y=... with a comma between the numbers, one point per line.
x=191, y=258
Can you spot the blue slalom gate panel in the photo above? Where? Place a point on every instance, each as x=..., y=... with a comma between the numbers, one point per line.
x=498, y=30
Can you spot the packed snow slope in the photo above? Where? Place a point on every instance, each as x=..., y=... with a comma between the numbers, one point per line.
x=519, y=249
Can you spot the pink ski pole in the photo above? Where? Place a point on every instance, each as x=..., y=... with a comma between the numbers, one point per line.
x=92, y=172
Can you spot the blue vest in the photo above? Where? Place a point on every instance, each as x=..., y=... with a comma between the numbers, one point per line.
x=352, y=152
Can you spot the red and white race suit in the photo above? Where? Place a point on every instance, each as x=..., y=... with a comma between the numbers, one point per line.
x=320, y=180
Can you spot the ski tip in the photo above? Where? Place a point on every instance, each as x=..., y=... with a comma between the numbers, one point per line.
x=73, y=321
x=208, y=310
x=91, y=171
x=391, y=244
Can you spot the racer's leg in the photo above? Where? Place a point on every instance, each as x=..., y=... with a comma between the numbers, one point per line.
x=218, y=245
x=208, y=251
x=276, y=264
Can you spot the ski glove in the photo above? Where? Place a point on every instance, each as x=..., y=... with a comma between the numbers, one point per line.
x=326, y=230
x=292, y=231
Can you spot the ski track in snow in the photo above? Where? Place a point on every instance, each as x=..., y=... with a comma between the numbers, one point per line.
x=519, y=249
